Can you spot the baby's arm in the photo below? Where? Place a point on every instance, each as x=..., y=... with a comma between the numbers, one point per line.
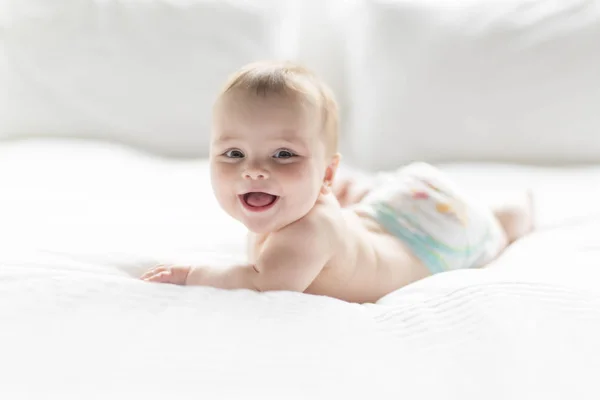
x=290, y=260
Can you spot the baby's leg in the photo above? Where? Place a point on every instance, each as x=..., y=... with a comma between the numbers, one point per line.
x=515, y=214
x=351, y=190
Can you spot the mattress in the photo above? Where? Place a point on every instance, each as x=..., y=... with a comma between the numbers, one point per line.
x=79, y=221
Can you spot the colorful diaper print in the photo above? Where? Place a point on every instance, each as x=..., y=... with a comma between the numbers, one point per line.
x=421, y=207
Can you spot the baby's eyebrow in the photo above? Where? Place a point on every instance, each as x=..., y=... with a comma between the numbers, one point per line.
x=292, y=142
x=286, y=136
x=225, y=138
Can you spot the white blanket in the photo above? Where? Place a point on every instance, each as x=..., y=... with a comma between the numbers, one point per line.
x=79, y=221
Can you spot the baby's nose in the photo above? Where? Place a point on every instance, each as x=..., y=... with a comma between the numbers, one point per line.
x=255, y=174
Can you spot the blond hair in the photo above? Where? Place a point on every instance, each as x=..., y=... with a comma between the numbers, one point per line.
x=287, y=78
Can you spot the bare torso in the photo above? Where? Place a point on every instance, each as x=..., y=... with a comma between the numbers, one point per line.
x=367, y=262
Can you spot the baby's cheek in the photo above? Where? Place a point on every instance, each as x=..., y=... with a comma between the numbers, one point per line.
x=221, y=179
x=295, y=171
x=302, y=176
x=309, y=183
x=223, y=173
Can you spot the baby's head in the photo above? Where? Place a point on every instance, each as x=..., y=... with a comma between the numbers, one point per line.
x=273, y=144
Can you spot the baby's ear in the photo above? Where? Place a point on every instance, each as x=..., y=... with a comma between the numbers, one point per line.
x=332, y=169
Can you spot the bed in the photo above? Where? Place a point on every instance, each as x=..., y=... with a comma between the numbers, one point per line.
x=80, y=220
x=104, y=122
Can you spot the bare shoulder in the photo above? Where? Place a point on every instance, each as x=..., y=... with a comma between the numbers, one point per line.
x=327, y=216
x=320, y=225
x=319, y=235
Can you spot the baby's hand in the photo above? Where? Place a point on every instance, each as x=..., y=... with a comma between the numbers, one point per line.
x=164, y=274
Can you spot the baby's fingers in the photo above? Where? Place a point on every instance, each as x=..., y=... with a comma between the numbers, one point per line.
x=154, y=272
x=167, y=274
x=160, y=277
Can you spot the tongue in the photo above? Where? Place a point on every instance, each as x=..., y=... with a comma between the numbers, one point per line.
x=259, y=199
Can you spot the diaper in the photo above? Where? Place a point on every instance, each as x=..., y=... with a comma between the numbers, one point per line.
x=441, y=226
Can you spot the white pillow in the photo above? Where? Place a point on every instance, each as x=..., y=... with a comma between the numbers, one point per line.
x=492, y=80
x=140, y=72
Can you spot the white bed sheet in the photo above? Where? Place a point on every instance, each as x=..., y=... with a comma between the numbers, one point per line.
x=78, y=220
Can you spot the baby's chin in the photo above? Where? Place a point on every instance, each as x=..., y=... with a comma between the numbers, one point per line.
x=272, y=221
x=261, y=228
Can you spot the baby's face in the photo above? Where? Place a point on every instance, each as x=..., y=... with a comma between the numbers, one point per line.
x=267, y=160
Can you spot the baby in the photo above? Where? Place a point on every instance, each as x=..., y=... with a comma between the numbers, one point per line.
x=273, y=162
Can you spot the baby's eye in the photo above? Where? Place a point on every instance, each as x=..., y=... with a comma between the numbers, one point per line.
x=283, y=154
x=234, y=153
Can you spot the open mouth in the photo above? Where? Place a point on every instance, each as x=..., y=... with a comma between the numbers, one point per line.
x=258, y=201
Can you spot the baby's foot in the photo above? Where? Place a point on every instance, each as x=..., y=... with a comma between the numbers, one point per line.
x=516, y=216
x=164, y=274
x=349, y=191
